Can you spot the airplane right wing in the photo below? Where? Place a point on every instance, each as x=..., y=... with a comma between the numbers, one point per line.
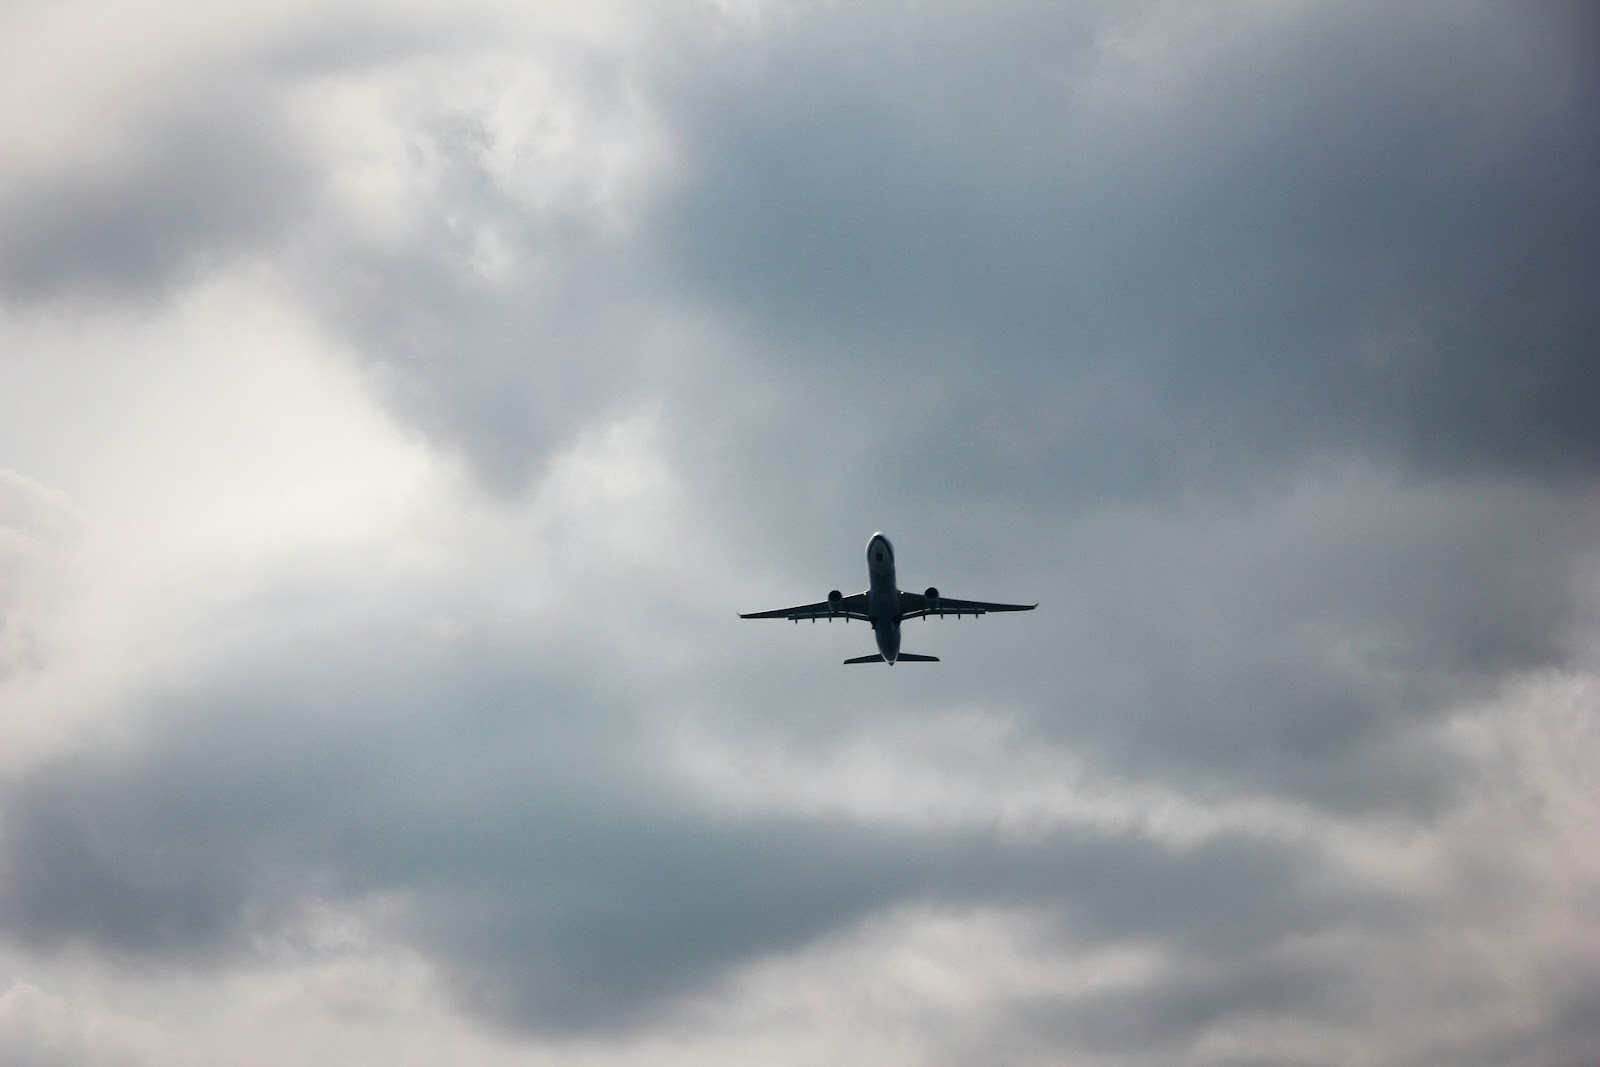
x=846, y=607
x=915, y=605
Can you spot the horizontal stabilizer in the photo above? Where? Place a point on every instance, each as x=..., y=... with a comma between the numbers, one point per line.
x=904, y=657
x=866, y=659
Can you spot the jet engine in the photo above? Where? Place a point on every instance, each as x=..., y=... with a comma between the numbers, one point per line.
x=931, y=595
x=833, y=600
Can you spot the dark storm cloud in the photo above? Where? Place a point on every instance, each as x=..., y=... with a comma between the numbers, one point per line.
x=1328, y=269
x=545, y=865
x=1262, y=357
x=1308, y=652
x=1129, y=272
x=1303, y=641
x=548, y=869
x=1351, y=228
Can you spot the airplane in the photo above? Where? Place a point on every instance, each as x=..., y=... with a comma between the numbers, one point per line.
x=885, y=606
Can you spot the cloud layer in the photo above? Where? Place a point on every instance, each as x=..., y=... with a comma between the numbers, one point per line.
x=396, y=408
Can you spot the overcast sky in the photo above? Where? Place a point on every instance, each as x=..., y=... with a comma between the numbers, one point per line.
x=399, y=400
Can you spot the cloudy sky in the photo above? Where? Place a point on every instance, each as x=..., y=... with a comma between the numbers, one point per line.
x=399, y=400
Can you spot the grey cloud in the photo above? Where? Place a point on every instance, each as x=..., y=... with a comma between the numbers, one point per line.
x=35, y=523
x=346, y=41
x=992, y=278
x=33, y=511
x=28, y=1051
x=1003, y=223
x=1285, y=258
x=504, y=371
x=507, y=801
x=216, y=176
x=546, y=865
x=504, y=364
x=1171, y=1014
x=1309, y=653
x=1303, y=642
x=1272, y=388
x=1574, y=1024
x=213, y=170
x=557, y=879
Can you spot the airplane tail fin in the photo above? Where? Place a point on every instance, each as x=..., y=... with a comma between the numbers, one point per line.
x=904, y=657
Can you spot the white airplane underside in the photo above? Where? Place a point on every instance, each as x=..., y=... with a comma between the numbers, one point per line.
x=885, y=607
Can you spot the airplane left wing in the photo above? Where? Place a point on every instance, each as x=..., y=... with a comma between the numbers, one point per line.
x=916, y=606
x=846, y=607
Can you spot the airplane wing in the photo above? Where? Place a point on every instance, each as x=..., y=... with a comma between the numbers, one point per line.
x=848, y=607
x=916, y=606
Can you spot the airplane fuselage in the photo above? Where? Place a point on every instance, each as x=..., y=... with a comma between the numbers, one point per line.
x=883, y=597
